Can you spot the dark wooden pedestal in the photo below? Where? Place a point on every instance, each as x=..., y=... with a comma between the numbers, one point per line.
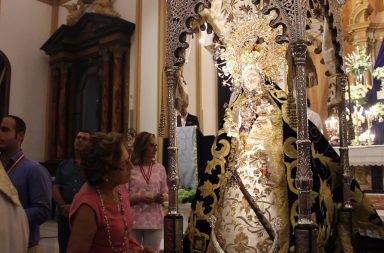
x=173, y=234
x=306, y=238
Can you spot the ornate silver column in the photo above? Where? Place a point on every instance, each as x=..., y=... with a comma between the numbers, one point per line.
x=303, y=172
x=341, y=81
x=180, y=14
x=305, y=230
x=173, y=170
x=173, y=221
x=291, y=15
x=345, y=215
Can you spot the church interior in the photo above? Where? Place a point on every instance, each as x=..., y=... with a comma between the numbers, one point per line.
x=255, y=174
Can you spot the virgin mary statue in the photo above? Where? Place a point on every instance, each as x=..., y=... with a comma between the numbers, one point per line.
x=246, y=200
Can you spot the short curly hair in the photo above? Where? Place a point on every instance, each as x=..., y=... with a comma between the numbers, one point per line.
x=100, y=155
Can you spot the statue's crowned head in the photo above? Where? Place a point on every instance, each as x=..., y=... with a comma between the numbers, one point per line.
x=251, y=76
x=250, y=52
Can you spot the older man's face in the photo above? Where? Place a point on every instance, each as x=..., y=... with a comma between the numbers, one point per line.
x=183, y=109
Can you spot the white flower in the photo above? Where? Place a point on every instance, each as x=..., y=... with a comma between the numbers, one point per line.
x=357, y=61
x=378, y=73
x=378, y=109
x=358, y=91
x=358, y=116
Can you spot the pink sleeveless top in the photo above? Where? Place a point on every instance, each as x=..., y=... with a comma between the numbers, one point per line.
x=88, y=196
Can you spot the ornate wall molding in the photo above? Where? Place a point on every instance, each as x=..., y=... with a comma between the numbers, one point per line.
x=361, y=13
x=359, y=23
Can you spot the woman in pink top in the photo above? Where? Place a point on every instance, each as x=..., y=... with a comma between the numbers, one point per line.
x=100, y=215
x=148, y=190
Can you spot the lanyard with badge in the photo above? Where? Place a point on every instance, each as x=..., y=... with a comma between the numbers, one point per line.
x=15, y=163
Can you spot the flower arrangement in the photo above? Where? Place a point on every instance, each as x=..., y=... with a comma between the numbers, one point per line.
x=377, y=109
x=378, y=73
x=357, y=116
x=358, y=92
x=357, y=61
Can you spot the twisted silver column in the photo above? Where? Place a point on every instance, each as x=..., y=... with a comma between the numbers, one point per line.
x=173, y=170
x=303, y=172
x=173, y=221
x=341, y=81
x=305, y=229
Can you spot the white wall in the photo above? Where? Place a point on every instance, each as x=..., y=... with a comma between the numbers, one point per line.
x=24, y=27
x=190, y=76
x=149, y=60
x=208, y=87
x=209, y=94
x=127, y=10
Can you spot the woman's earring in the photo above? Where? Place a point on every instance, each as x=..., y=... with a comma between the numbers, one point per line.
x=107, y=180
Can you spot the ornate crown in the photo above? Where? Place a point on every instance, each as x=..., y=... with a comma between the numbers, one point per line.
x=251, y=41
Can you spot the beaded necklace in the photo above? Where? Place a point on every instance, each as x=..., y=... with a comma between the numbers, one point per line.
x=147, y=177
x=120, y=208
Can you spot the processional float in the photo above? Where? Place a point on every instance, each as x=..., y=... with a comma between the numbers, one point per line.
x=292, y=16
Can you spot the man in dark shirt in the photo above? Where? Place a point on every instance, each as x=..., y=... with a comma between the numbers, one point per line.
x=186, y=119
x=68, y=181
x=31, y=179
